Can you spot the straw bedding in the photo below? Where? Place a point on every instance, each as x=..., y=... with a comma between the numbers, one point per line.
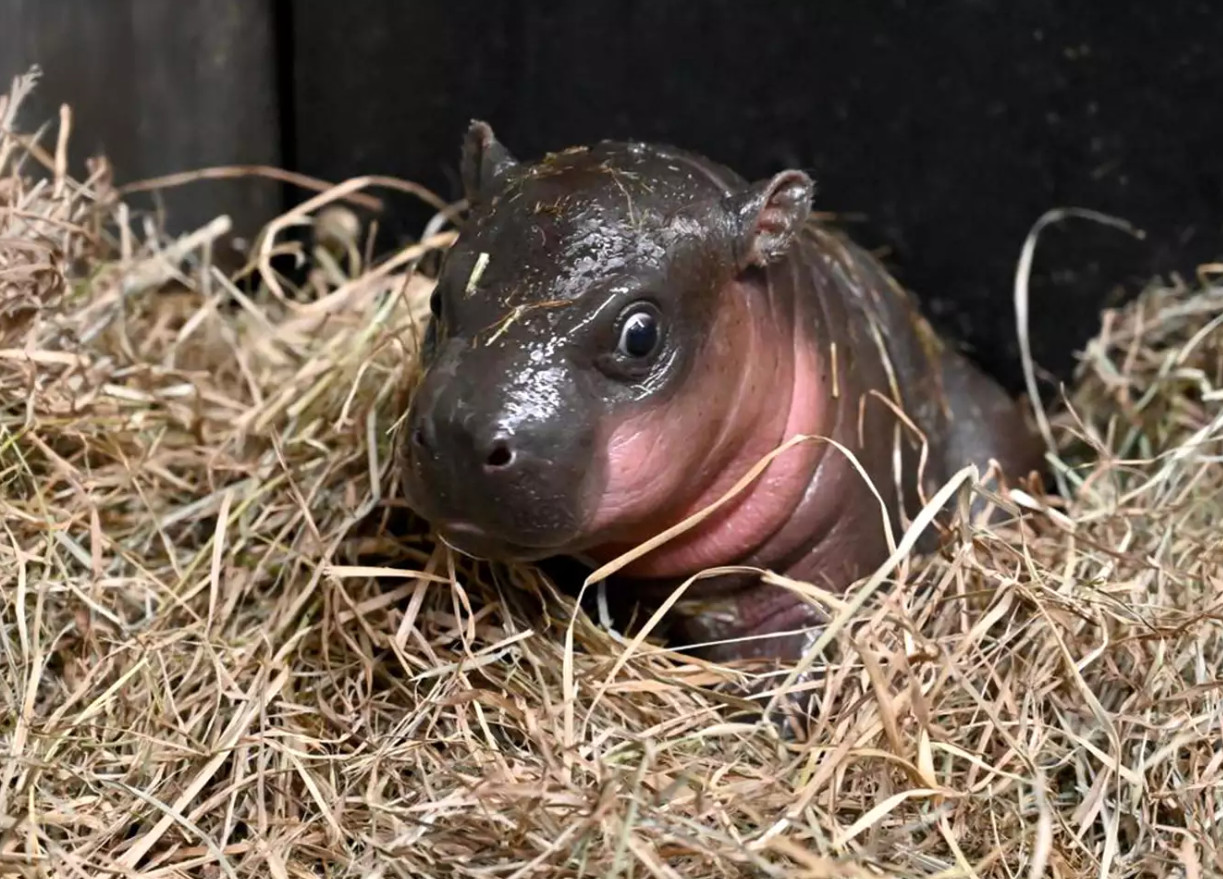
x=227, y=650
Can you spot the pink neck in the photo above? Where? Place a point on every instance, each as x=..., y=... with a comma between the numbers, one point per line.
x=749, y=519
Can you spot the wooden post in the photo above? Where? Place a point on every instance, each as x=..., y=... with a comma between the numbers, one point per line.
x=159, y=87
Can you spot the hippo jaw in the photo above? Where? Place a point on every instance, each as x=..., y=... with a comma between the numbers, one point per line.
x=479, y=543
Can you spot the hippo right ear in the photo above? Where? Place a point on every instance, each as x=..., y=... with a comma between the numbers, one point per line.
x=768, y=214
x=485, y=162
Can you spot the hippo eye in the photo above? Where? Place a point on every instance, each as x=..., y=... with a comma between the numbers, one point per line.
x=639, y=333
x=429, y=343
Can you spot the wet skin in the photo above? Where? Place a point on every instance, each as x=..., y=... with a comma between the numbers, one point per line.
x=622, y=331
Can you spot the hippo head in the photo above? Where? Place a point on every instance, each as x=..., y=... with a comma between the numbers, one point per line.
x=600, y=331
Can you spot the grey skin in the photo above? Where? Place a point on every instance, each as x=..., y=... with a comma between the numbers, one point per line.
x=531, y=365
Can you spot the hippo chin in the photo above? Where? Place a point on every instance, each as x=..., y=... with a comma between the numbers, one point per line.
x=622, y=331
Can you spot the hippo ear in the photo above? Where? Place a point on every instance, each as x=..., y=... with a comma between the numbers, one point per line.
x=485, y=162
x=768, y=214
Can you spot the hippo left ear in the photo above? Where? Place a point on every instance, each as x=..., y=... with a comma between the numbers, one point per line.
x=485, y=162
x=768, y=215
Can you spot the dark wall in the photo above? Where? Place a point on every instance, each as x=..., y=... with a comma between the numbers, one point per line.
x=159, y=88
x=952, y=126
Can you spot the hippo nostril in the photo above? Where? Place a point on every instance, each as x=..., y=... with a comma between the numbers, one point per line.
x=424, y=434
x=499, y=456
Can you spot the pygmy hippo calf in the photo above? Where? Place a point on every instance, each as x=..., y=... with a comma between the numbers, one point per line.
x=621, y=331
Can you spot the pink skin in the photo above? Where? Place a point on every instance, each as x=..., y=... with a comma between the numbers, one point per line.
x=651, y=462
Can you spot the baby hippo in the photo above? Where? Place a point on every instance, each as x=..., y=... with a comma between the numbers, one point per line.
x=622, y=331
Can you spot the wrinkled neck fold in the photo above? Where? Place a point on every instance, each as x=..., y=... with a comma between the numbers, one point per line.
x=759, y=384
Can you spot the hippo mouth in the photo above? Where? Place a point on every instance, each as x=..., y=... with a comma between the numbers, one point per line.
x=479, y=543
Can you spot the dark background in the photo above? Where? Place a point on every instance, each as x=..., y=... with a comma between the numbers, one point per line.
x=950, y=126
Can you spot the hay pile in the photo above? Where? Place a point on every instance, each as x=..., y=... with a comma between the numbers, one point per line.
x=202, y=673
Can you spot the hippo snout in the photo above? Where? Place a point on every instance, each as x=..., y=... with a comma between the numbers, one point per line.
x=471, y=442
x=494, y=481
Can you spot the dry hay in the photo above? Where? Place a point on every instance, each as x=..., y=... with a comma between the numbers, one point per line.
x=200, y=679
